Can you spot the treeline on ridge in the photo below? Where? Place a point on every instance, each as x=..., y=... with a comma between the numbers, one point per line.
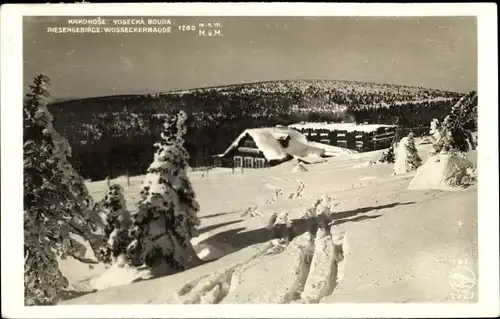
x=113, y=136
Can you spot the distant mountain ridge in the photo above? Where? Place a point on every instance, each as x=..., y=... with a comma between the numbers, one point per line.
x=283, y=84
x=63, y=99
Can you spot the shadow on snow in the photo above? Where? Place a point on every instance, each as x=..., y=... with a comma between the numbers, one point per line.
x=212, y=227
x=218, y=214
x=238, y=239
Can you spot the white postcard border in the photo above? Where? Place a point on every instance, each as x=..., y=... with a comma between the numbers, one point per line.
x=11, y=135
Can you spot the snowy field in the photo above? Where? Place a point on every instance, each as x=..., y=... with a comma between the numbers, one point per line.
x=388, y=243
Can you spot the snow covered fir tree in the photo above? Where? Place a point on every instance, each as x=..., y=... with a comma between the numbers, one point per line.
x=407, y=158
x=451, y=135
x=388, y=156
x=56, y=201
x=166, y=218
x=448, y=167
x=434, y=130
x=117, y=220
x=413, y=160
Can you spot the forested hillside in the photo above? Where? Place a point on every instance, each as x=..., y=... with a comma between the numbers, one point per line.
x=114, y=135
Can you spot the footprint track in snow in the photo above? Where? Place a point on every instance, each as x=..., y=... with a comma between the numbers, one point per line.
x=319, y=266
x=298, y=192
x=252, y=212
x=208, y=289
x=213, y=288
x=317, y=270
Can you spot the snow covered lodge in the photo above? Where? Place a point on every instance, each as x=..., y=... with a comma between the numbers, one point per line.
x=359, y=137
x=264, y=147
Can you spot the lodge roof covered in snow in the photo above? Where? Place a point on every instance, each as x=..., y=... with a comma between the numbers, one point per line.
x=268, y=139
x=349, y=127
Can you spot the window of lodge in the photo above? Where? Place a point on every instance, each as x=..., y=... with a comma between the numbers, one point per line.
x=217, y=162
x=325, y=141
x=248, y=162
x=237, y=161
x=259, y=162
x=359, y=146
x=342, y=143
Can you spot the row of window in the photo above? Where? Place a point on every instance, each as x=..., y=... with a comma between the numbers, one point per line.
x=248, y=162
x=343, y=143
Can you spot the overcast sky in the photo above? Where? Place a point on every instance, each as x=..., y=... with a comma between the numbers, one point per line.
x=434, y=52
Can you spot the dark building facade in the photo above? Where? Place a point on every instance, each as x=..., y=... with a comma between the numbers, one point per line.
x=246, y=154
x=361, y=140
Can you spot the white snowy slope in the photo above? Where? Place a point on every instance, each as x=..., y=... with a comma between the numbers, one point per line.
x=396, y=244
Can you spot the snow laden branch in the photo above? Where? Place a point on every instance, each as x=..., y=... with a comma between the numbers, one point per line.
x=56, y=202
x=451, y=135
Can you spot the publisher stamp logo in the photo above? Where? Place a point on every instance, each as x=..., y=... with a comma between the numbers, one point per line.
x=462, y=281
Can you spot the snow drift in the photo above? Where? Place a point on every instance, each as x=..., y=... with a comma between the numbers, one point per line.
x=119, y=274
x=443, y=172
x=299, y=168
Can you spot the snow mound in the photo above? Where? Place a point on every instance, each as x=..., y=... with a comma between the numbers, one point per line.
x=204, y=253
x=299, y=168
x=443, y=172
x=211, y=252
x=78, y=271
x=365, y=164
x=117, y=275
